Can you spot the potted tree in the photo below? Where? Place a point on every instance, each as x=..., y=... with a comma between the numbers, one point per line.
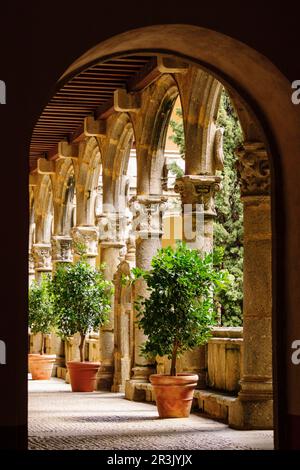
x=41, y=319
x=177, y=316
x=81, y=301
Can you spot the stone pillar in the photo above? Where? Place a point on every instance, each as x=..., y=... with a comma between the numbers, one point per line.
x=147, y=226
x=42, y=259
x=61, y=249
x=87, y=235
x=254, y=408
x=198, y=213
x=31, y=271
x=198, y=210
x=111, y=242
x=61, y=253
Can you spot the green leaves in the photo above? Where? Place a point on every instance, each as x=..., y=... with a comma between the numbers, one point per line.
x=228, y=227
x=41, y=315
x=81, y=298
x=178, y=133
x=180, y=307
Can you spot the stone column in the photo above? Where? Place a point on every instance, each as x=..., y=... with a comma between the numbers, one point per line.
x=61, y=249
x=147, y=227
x=87, y=235
x=61, y=253
x=198, y=213
x=254, y=408
x=198, y=210
x=111, y=242
x=42, y=259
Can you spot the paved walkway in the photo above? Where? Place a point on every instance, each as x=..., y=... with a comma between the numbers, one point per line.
x=62, y=420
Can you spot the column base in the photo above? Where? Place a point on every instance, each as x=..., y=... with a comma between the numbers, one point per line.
x=121, y=373
x=141, y=375
x=105, y=377
x=253, y=408
x=254, y=414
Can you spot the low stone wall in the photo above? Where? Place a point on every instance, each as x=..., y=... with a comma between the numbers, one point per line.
x=225, y=359
x=223, y=356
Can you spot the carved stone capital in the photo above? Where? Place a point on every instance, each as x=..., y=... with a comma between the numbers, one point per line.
x=87, y=235
x=199, y=189
x=253, y=169
x=42, y=257
x=31, y=262
x=62, y=249
x=112, y=229
x=147, y=214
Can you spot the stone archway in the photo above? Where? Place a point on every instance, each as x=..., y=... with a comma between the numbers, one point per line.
x=280, y=138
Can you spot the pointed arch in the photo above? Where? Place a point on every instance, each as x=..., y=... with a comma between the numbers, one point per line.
x=44, y=210
x=150, y=126
x=86, y=178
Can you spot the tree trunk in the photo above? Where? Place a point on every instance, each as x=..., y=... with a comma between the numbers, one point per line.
x=81, y=346
x=42, y=344
x=174, y=358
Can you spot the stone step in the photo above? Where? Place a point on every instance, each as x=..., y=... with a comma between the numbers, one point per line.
x=212, y=403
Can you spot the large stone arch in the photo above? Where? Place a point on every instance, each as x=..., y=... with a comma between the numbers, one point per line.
x=200, y=96
x=44, y=210
x=116, y=148
x=256, y=81
x=120, y=181
x=150, y=128
x=64, y=197
x=31, y=217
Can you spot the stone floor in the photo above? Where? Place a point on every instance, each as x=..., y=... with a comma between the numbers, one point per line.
x=62, y=420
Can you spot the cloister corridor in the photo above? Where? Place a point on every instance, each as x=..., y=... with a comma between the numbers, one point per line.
x=138, y=151
x=62, y=420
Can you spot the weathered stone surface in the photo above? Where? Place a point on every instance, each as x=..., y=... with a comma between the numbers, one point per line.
x=62, y=249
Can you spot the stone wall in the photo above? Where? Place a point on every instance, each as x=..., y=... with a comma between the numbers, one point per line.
x=225, y=359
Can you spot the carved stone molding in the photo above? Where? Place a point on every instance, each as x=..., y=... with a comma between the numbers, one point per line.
x=199, y=189
x=218, y=149
x=62, y=249
x=130, y=254
x=147, y=214
x=87, y=235
x=31, y=262
x=253, y=169
x=42, y=256
x=112, y=228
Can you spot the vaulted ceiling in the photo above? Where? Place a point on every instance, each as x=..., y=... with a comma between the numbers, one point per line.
x=90, y=93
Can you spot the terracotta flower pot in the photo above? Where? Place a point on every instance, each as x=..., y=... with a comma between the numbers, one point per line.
x=83, y=375
x=41, y=366
x=174, y=394
x=30, y=356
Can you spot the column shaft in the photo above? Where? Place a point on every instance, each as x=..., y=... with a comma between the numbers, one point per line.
x=147, y=224
x=198, y=213
x=110, y=256
x=254, y=408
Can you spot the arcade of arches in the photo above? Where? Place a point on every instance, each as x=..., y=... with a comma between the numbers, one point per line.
x=99, y=156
